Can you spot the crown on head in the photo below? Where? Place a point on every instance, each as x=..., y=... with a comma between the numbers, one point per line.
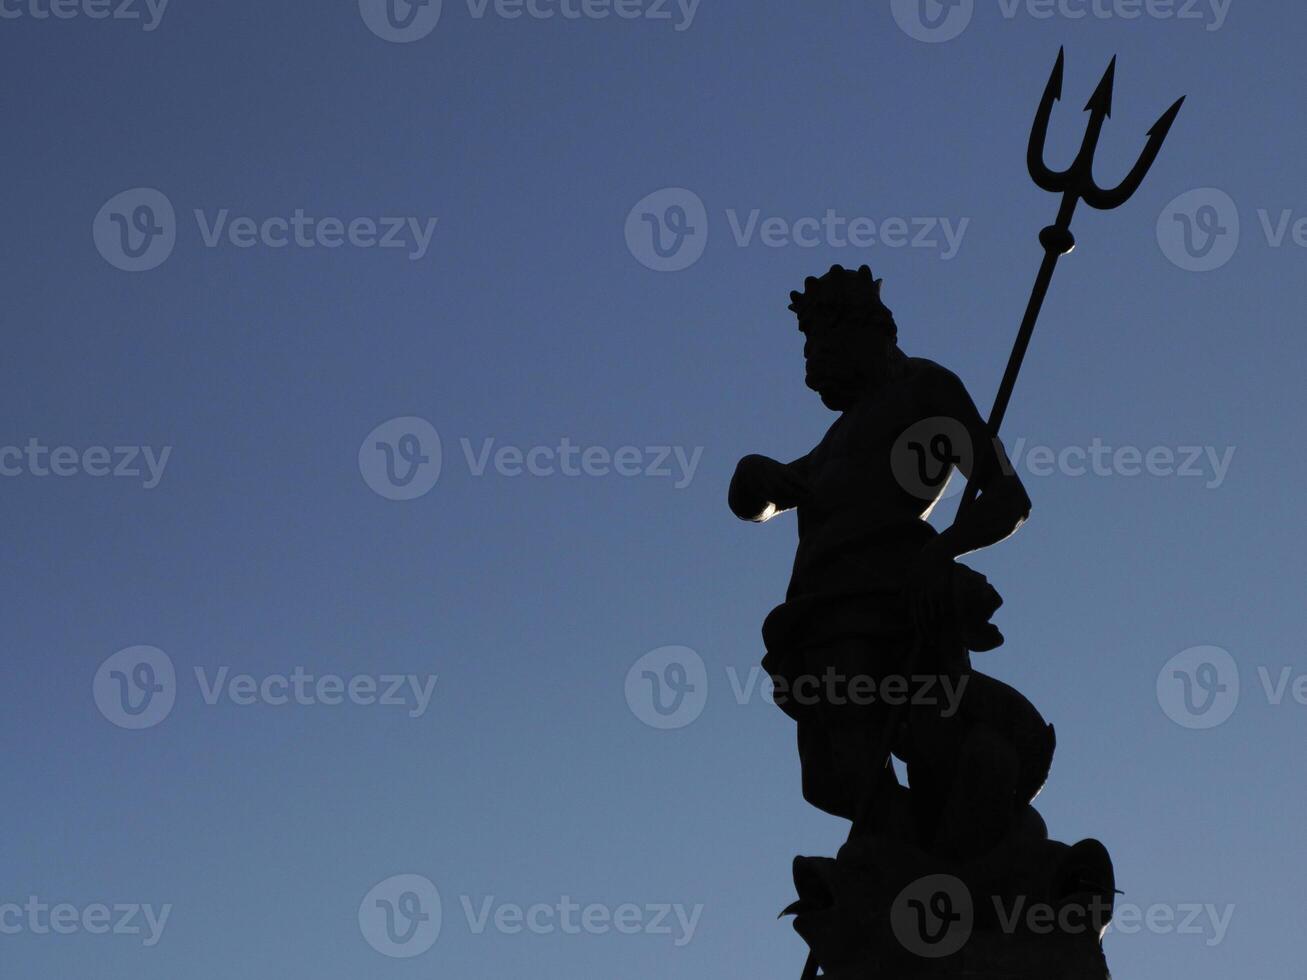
x=848, y=293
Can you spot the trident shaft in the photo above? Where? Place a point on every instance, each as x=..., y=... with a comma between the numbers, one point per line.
x=1075, y=184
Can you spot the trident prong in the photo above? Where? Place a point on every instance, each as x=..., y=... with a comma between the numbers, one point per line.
x=1075, y=184
x=1045, y=178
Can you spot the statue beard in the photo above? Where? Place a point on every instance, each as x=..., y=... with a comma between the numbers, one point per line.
x=839, y=389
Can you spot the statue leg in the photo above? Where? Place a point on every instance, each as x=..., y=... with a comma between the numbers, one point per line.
x=841, y=724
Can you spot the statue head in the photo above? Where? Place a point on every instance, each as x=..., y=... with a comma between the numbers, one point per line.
x=850, y=337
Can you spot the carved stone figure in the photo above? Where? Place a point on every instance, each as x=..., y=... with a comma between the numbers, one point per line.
x=880, y=616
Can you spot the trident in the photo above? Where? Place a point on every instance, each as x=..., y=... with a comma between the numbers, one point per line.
x=1075, y=184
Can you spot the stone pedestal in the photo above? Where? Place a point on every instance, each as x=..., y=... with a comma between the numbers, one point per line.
x=884, y=910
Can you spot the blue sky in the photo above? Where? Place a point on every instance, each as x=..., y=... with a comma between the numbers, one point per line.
x=440, y=222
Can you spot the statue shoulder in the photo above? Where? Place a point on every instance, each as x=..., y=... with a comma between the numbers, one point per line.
x=934, y=381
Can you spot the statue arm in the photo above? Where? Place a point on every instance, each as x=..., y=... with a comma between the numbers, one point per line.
x=1003, y=504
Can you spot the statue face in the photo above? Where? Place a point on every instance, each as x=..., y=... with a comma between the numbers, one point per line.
x=840, y=358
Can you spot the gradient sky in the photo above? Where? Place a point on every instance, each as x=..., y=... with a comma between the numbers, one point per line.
x=530, y=321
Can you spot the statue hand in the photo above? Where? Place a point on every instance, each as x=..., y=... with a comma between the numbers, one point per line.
x=763, y=486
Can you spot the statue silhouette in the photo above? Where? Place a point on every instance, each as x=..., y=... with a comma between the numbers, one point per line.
x=870, y=653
